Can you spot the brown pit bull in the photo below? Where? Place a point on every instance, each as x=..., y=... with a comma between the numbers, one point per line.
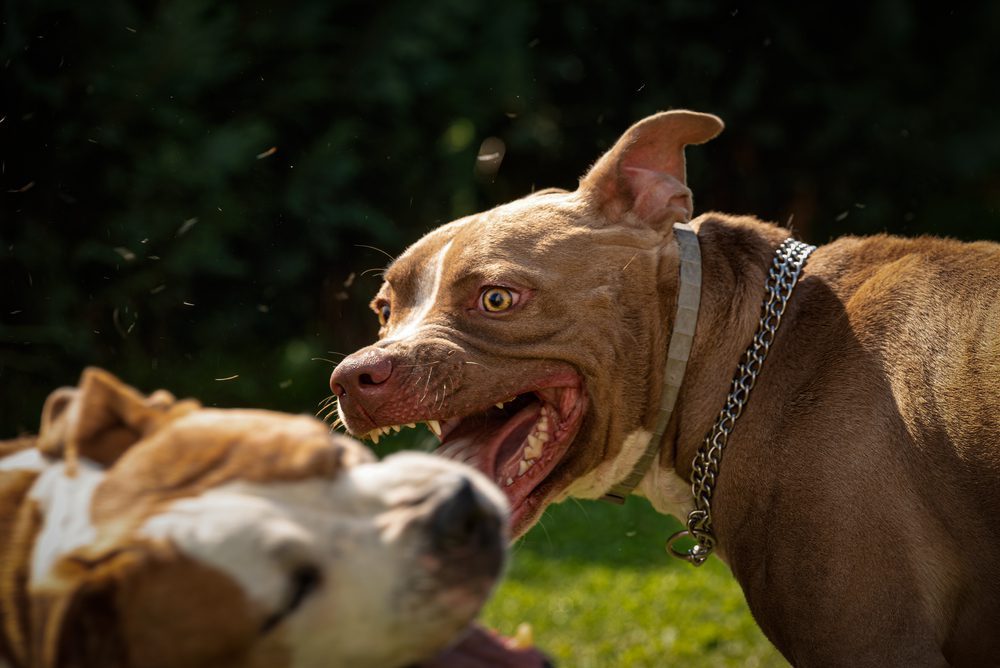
x=858, y=499
x=147, y=532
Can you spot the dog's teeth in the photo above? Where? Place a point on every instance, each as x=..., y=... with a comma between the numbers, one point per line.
x=374, y=435
x=499, y=404
x=435, y=426
x=533, y=451
x=523, y=466
x=396, y=428
x=411, y=425
x=543, y=423
x=510, y=481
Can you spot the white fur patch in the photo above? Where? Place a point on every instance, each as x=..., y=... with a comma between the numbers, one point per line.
x=430, y=286
x=666, y=491
x=65, y=506
x=25, y=460
x=597, y=482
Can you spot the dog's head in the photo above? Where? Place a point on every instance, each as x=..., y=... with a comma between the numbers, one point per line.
x=173, y=535
x=531, y=336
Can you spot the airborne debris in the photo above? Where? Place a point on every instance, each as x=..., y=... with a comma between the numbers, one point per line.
x=23, y=189
x=268, y=153
x=233, y=377
x=186, y=225
x=126, y=254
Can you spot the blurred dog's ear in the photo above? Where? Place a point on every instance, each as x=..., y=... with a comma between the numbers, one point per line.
x=102, y=417
x=643, y=177
x=74, y=615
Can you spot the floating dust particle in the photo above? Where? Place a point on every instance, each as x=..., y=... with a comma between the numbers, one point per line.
x=158, y=289
x=841, y=216
x=131, y=29
x=187, y=303
x=268, y=153
x=126, y=254
x=23, y=189
x=233, y=377
x=285, y=383
x=350, y=280
x=186, y=225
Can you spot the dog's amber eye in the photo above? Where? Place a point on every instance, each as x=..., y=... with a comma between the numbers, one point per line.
x=383, y=314
x=497, y=299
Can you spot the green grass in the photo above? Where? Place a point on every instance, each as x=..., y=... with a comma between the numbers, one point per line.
x=598, y=589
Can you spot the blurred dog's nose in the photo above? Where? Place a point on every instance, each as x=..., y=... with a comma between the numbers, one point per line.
x=361, y=373
x=465, y=519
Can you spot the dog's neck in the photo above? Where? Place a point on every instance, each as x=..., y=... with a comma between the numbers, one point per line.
x=736, y=253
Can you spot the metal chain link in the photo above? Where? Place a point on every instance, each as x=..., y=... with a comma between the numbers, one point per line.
x=783, y=275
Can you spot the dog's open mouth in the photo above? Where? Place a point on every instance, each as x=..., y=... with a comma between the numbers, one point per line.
x=517, y=441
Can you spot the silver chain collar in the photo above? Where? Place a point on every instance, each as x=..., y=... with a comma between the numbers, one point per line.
x=783, y=275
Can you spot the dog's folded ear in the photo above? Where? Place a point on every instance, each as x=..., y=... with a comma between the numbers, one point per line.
x=102, y=417
x=74, y=617
x=643, y=178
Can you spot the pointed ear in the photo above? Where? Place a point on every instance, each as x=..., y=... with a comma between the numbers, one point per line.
x=102, y=418
x=643, y=177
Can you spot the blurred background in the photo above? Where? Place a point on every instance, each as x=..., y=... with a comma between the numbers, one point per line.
x=200, y=195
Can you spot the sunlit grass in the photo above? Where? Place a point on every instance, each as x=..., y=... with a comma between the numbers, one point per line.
x=598, y=589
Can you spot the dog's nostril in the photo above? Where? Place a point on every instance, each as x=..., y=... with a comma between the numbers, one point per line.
x=339, y=390
x=366, y=379
x=463, y=520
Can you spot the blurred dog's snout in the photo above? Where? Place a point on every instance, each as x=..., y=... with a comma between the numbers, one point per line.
x=466, y=518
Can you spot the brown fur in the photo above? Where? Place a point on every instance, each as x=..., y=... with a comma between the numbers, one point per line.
x=859, y=500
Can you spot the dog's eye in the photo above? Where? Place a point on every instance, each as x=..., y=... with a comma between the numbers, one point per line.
x=383, y=314
x=302, y=582
x=497, y=299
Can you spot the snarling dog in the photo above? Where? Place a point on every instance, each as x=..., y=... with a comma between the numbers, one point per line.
x=142, y=531
x=595, y=342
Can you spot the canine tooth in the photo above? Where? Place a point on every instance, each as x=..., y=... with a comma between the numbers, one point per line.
x=374, y=435
x=435, y=426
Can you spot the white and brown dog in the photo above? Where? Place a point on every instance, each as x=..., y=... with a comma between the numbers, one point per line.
x=148, y=532
x=858, y=503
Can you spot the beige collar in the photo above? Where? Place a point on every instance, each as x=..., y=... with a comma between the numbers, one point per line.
x=681, y=339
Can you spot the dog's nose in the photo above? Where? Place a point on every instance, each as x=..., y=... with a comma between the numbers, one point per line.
x=359, y=374
x=465, y=520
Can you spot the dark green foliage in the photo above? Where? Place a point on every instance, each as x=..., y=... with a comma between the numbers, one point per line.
x=129, y=120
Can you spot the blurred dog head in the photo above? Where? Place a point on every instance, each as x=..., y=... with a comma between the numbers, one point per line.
x=155, y=532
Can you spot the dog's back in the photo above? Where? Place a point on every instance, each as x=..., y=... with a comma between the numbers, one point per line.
x=881, y=406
